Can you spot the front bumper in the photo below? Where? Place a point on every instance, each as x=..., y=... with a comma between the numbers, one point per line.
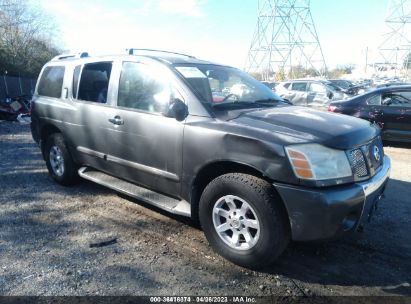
x=317, y=214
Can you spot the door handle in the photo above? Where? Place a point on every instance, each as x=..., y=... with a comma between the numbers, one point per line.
x=117, y=120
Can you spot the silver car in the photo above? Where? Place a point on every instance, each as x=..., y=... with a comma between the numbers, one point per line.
x=311, y=93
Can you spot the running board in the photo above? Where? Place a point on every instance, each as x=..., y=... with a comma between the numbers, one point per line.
x=172, y=205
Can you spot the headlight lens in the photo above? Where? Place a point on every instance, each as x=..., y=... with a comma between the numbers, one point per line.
x=317, y=162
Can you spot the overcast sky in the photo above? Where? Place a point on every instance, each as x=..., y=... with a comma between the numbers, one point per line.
x=216, y=30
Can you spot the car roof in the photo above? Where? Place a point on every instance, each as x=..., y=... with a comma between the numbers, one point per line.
x=307, y=80
x=392, y=88
x=166, y=57
x=179, y=59
x=361, y=97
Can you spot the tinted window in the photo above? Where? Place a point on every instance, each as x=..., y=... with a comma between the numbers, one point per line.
x=299, y=86
x=94, y=82
x=342, y=83
x=397, y=99
x=76, y=75
x=374, y=100
x=51, y=81
x=406, y=95
x=143, y=87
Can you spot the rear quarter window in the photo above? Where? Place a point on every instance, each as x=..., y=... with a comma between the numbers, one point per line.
x=374, y=100
x=51, y=81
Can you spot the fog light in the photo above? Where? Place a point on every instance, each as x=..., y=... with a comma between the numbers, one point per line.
x=350, y=221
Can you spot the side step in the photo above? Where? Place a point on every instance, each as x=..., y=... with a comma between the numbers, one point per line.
x=161, y=201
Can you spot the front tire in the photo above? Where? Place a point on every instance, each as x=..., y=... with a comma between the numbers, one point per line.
x=244, y=220
x=59, y=162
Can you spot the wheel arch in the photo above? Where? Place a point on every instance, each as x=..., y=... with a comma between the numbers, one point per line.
x=45, y=132
x=211, y=171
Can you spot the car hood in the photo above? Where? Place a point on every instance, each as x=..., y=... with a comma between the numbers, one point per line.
x=303, y=125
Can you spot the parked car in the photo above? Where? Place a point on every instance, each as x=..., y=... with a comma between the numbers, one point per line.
x=310, y=93
x=271, y=85
x=347, y=86
x=389, y=107
x=391, y=84
x=254, y=170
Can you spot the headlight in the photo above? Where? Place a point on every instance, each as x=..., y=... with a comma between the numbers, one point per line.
x=316, y=162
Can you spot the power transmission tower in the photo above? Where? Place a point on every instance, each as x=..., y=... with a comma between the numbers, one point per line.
x=285, y=43
x=396, y=45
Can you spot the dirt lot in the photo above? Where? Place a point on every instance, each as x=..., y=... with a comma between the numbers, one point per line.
x=50, y=242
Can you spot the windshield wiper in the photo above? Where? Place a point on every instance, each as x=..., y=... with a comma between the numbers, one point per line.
x=242, y=104
x=271, y=100
x=268, y=101
x=261, y=102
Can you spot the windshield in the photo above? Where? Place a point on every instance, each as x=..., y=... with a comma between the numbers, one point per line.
x=341, y=83
x=225, y=87
x=331, y=86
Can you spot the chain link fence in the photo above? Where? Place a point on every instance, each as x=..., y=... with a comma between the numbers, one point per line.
x=11, y=86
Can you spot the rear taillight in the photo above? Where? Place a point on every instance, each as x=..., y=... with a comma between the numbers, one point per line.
x=331, y=108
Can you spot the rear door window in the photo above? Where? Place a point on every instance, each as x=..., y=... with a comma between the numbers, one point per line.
x=317, y=88
x=299, y=86
x=94, y=82
x=51, y=81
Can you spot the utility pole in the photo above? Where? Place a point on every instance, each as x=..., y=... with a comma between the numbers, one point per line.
x=285, y=41
x=366, y=60
x=5, y=83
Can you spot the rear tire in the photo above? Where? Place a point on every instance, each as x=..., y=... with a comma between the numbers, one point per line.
x=244, y=220
x=59, y=162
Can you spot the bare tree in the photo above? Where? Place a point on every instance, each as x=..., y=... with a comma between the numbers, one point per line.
x=25, y=37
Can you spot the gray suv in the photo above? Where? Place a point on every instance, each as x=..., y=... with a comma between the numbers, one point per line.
x=209, y=142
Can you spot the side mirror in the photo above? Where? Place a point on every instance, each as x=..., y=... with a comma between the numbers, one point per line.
x=330, y=94
x=177, y=109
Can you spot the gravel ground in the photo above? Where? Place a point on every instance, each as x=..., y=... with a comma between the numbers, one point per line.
x=87, y=240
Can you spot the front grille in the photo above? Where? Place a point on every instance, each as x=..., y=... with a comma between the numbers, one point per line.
x=358, y=163
x=374, y=154
x=367, y=159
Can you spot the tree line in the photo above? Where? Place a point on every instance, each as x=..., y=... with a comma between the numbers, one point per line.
x=299, y=71
x=27, y=38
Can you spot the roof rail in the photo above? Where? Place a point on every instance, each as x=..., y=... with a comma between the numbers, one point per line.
x=131, y=52
x=66, y=56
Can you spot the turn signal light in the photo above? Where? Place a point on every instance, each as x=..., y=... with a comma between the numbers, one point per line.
x=300, y=164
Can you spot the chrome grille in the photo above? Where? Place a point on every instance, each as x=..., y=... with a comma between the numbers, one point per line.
x=358, y=163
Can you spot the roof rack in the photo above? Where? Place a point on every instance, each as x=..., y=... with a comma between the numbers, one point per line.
x=131, y=52
x=66, y=56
